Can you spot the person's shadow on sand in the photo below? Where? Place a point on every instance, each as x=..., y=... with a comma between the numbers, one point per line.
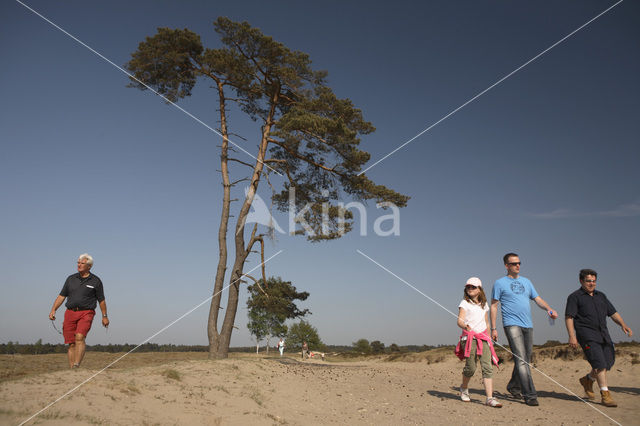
x=508, y=397
x=628, y=391
x=568, y=397
x=546, y=394
x=541, y=394
x=456, y=394
x=557, y=395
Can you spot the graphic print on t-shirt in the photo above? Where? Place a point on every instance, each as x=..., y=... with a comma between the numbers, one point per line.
x=517, y=287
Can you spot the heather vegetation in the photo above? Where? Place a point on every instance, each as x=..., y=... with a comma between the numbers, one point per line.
x=373, y=348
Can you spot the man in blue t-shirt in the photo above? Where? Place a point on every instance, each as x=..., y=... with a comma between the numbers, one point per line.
x=514, y=294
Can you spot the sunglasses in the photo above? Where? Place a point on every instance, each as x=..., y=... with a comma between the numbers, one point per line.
x=470, y=287
x=513, y=263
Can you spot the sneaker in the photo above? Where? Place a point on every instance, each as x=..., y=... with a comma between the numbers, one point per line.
x=607, y=401
x=464, y=395
x=492, y=402
x=533, y=402
x=587, y=384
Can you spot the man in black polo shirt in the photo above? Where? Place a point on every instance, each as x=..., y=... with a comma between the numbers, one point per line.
x=586, y=319
x=81, y=290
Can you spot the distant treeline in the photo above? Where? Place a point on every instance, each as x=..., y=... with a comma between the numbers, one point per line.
x=382, y=349
x=49, y=348
x=38, y=348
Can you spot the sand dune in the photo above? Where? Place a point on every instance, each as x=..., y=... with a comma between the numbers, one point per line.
x=250, y=389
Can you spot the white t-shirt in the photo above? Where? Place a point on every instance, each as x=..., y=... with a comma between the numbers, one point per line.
x=474, y=315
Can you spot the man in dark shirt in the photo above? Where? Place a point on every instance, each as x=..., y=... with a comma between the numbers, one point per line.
x=586, y=319
x=81, y=290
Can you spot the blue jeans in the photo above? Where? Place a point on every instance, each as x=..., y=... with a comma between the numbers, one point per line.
x=521, y=344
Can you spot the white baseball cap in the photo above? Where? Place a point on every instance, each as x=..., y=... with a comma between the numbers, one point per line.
x=474, y=281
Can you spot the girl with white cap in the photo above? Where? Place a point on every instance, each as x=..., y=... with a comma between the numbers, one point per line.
x=475, y=342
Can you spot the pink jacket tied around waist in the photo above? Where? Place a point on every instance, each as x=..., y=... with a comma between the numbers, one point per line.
x=465, y=352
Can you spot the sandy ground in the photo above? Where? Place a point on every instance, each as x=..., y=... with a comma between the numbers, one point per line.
x=250, y=389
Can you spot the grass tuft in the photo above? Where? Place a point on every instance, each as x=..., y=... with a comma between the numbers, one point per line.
x=172, y=374
x=131, y=389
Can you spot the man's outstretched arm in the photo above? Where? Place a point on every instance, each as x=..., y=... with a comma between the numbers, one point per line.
x=56, y=304
x=103, y=308
x=544, y=305
x=617, y=318
x=494, y=316
x=573, y=341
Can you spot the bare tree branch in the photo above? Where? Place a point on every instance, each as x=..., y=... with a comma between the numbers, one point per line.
x=241, y=162
x=238, y=181
x=257, y=283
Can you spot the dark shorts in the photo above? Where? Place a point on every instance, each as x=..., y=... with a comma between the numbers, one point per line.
x=599, y=354
x=76, y=322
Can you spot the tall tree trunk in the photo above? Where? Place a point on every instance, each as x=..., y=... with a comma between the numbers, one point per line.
x=241, y=251
x=232, y=307
x=214, y=309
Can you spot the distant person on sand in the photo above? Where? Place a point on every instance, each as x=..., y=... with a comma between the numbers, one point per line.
x=305, y=349
x=281, y=346
x=514, y=293
x=473, y=319
x=586, y=319
x=81, y=290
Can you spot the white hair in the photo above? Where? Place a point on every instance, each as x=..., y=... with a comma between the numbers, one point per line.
x=87, y=257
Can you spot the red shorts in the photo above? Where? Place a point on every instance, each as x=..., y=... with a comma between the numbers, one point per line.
x=76, y=322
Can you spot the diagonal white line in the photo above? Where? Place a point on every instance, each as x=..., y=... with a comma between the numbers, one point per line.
x=145, y=85
x=490, y=87
x=496, y=343
x=148, y=338
x=425, y=295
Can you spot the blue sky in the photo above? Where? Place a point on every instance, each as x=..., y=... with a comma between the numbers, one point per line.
x=544, y=164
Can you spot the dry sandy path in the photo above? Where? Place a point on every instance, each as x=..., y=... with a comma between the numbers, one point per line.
x=252, y=390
